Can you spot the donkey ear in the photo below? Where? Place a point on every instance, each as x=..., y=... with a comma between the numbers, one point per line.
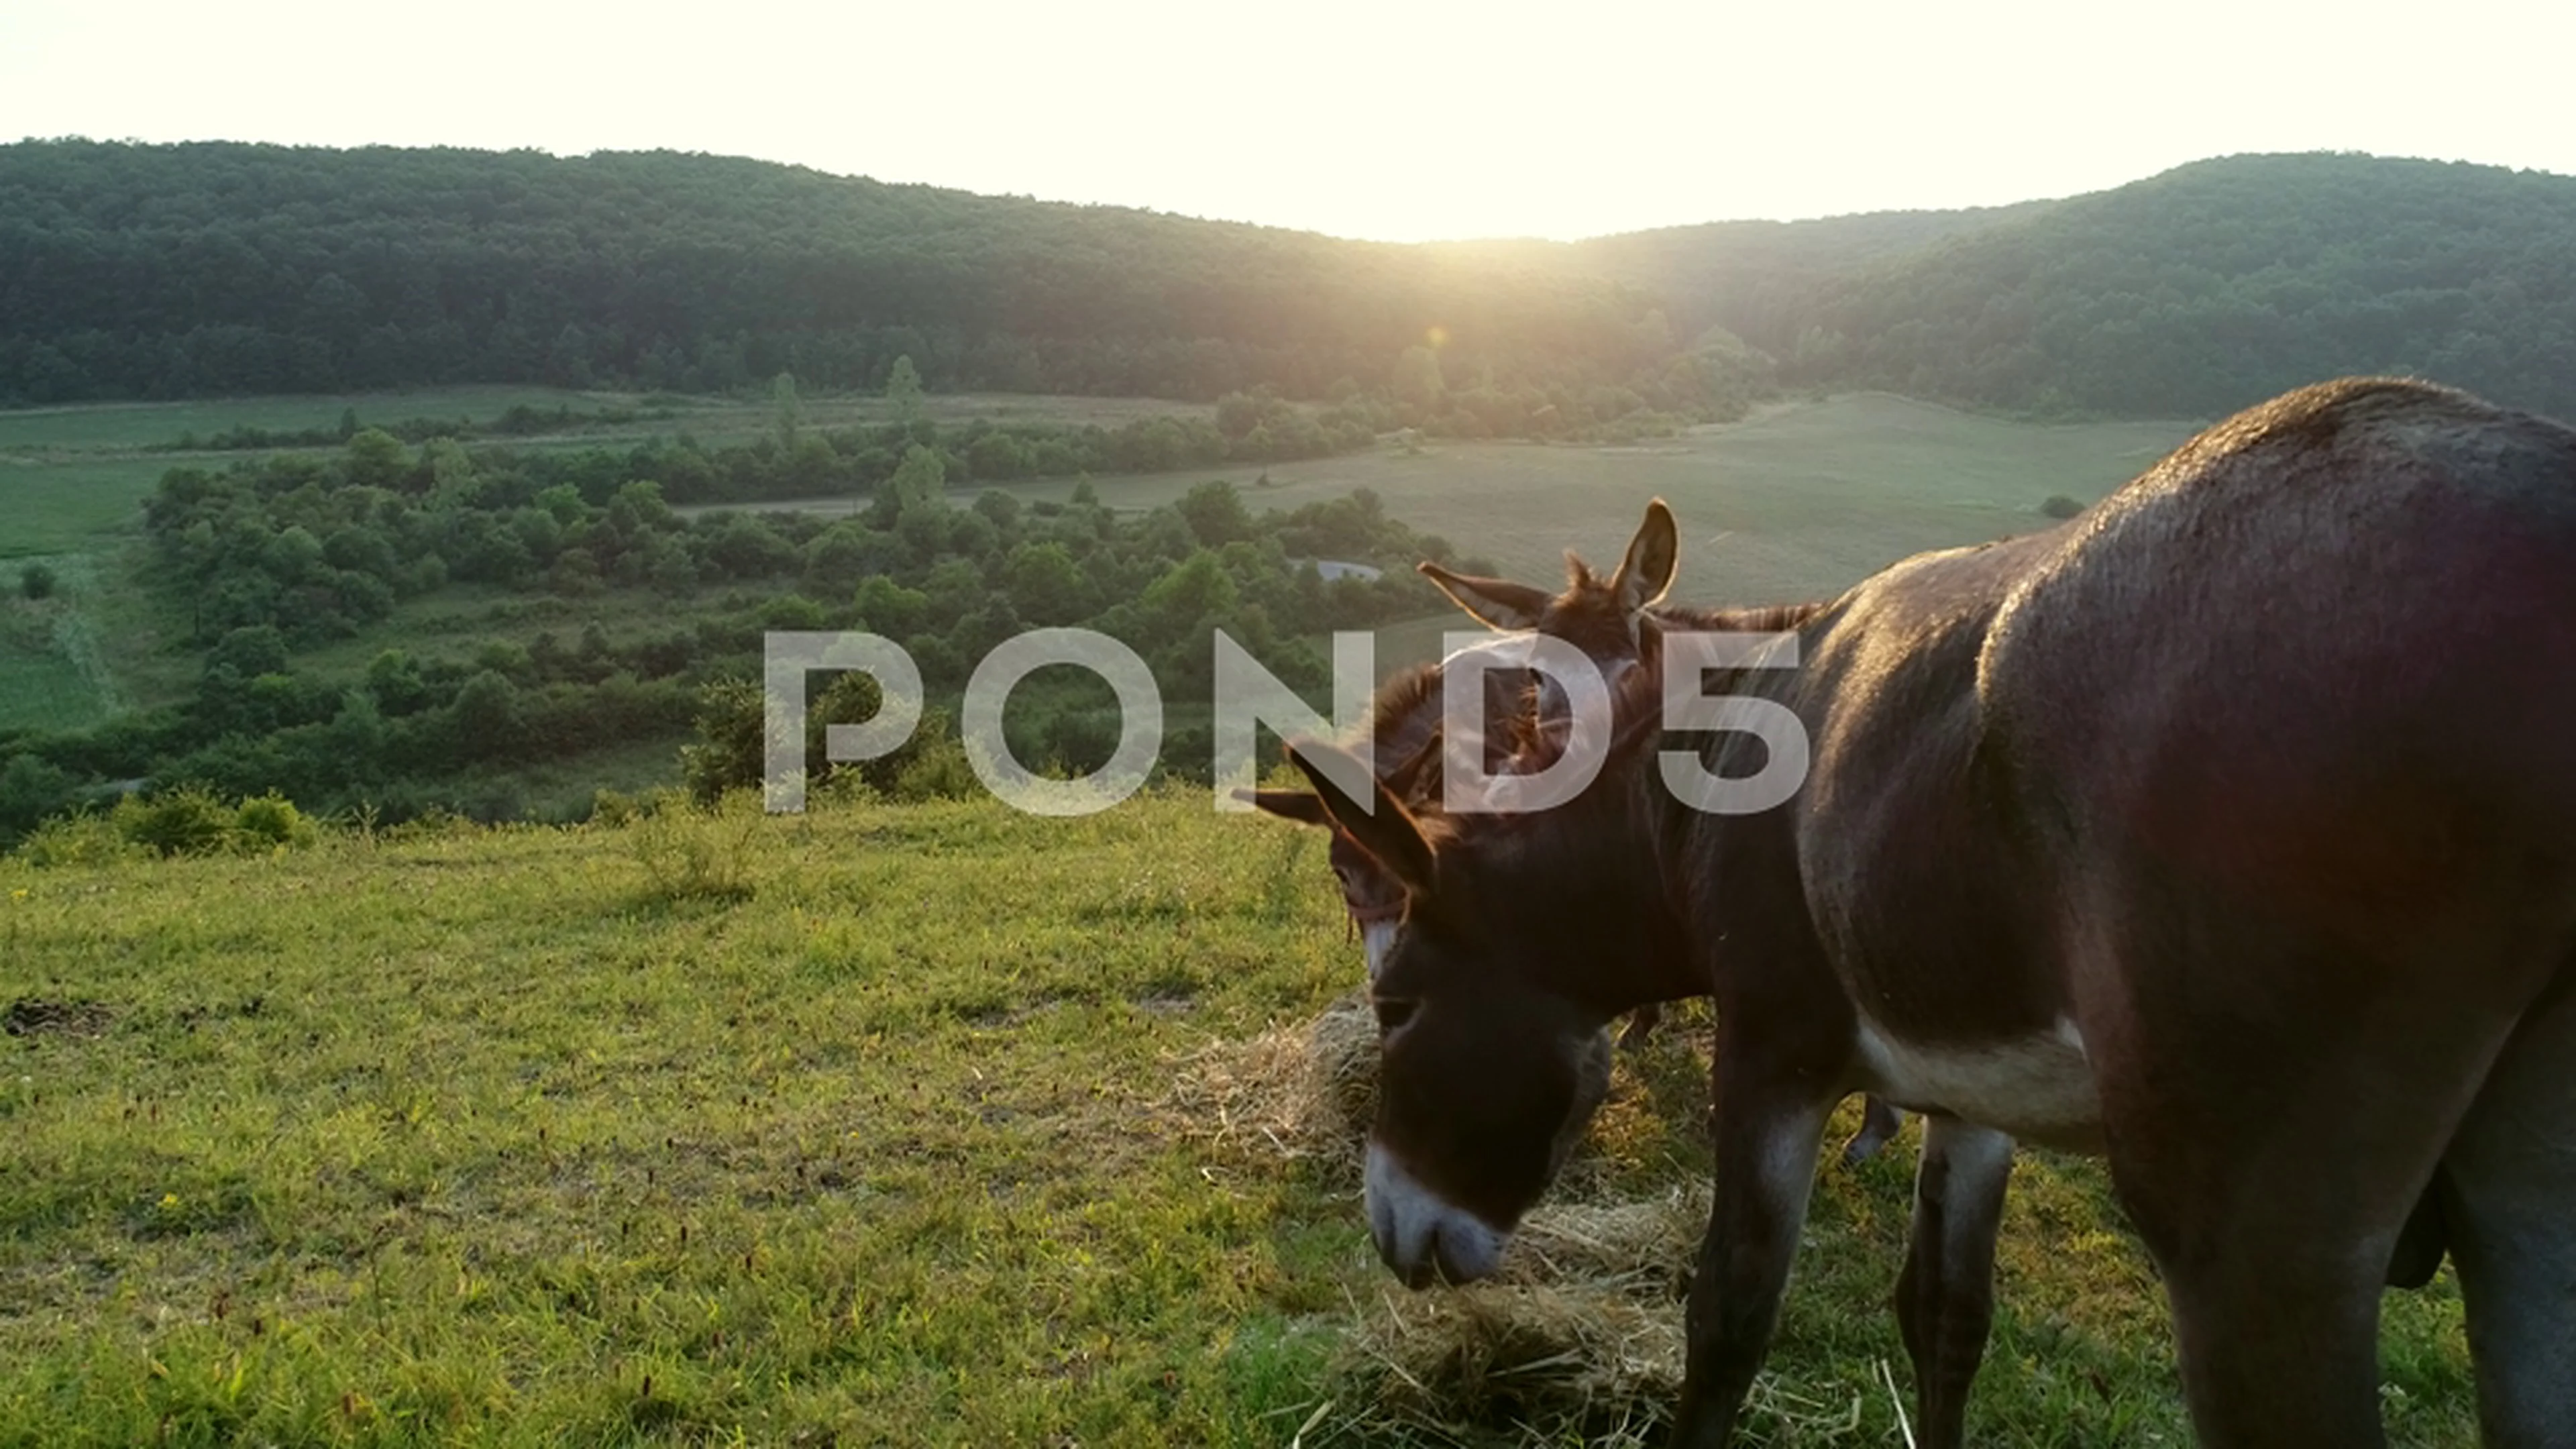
x=1379, y=824
x=1499, y=602
x=1646, y=574
x=1294, y=805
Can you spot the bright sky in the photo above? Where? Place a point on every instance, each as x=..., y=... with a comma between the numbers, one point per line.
x=1396, y=119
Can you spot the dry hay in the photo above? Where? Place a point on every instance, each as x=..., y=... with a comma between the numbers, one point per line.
x=1578, y=1336
x=1579, y=1333
x=1304, y=1093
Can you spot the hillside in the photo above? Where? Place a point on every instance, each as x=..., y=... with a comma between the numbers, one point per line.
x=995, y=1128
x=2216, y=285
x=169, y=271
x=173, y=270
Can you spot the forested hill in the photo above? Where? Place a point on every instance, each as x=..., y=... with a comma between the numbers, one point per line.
x=156, y=271
x=2212, y=286
x=172, y=270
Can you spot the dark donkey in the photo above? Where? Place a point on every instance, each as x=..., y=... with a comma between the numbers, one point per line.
x=1618, y=623
x=2229, y=831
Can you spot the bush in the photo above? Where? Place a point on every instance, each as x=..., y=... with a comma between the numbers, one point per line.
x=77, y=841
x=37, y=581
x=190, y=821
x=934, y=766
x=271, y=822
x=613, y=809
x=2061, y=506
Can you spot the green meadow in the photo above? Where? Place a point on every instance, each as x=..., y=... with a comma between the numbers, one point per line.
x=1799, y=502
x=932, y=1124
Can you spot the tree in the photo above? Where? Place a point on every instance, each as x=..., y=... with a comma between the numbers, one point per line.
x=1417, y=381
x=491, y=720
x=914, y=489
x=1215, y=513
x=785, y=410
x=376, y=459
x=903, y=389
x=1045, y=584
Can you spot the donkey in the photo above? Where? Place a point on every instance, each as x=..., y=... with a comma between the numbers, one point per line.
x=1618, y=623
x=2227, y=830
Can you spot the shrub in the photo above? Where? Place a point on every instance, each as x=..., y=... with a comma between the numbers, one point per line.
x=613, y=809
x=37, y=581
x=189, y=821
x=2061, y=506
x=271, y=822
x=936, y=767
x=77, y=841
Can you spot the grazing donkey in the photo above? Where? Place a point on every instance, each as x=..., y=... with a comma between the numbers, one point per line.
x=2228, y=830
x=1618, y=623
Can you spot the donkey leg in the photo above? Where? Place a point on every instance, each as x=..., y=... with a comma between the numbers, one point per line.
x=1878, y=1123
x=1766, y=1168
x=1641, y=1025
x=2509, y=1204
x=1945, y=1301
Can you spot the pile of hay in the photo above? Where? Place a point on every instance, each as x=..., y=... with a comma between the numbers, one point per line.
x=1303, y=1093
x=1578, y=1335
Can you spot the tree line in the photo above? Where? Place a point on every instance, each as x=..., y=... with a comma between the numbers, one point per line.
x=168, y=271
x=171, y=271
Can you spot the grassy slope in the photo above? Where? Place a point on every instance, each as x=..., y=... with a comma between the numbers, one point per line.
x=482, y=1139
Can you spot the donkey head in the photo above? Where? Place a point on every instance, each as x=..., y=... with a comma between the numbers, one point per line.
x=1602, y=617
x=1487, y=1074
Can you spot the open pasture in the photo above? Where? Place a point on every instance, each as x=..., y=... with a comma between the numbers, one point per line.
x=929, y=1124
x=1799, y=502
x=91, y=434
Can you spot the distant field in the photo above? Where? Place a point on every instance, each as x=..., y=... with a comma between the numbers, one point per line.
x=71, y=502
x=1799, y=503
x=54, y=654
x=95, y=427
x=68, y=474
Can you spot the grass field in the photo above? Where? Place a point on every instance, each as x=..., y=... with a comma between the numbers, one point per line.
x=920, y=1125
x=1799, y=502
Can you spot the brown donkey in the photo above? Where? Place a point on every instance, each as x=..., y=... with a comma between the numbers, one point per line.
x=1618, y=624
x=2228, y=830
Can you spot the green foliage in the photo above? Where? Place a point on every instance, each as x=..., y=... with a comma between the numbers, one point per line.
x=187, y=821
x=272, y=822
x=37, y=581
x=903, y=389
x=1215, y=514
x=2058, y=505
